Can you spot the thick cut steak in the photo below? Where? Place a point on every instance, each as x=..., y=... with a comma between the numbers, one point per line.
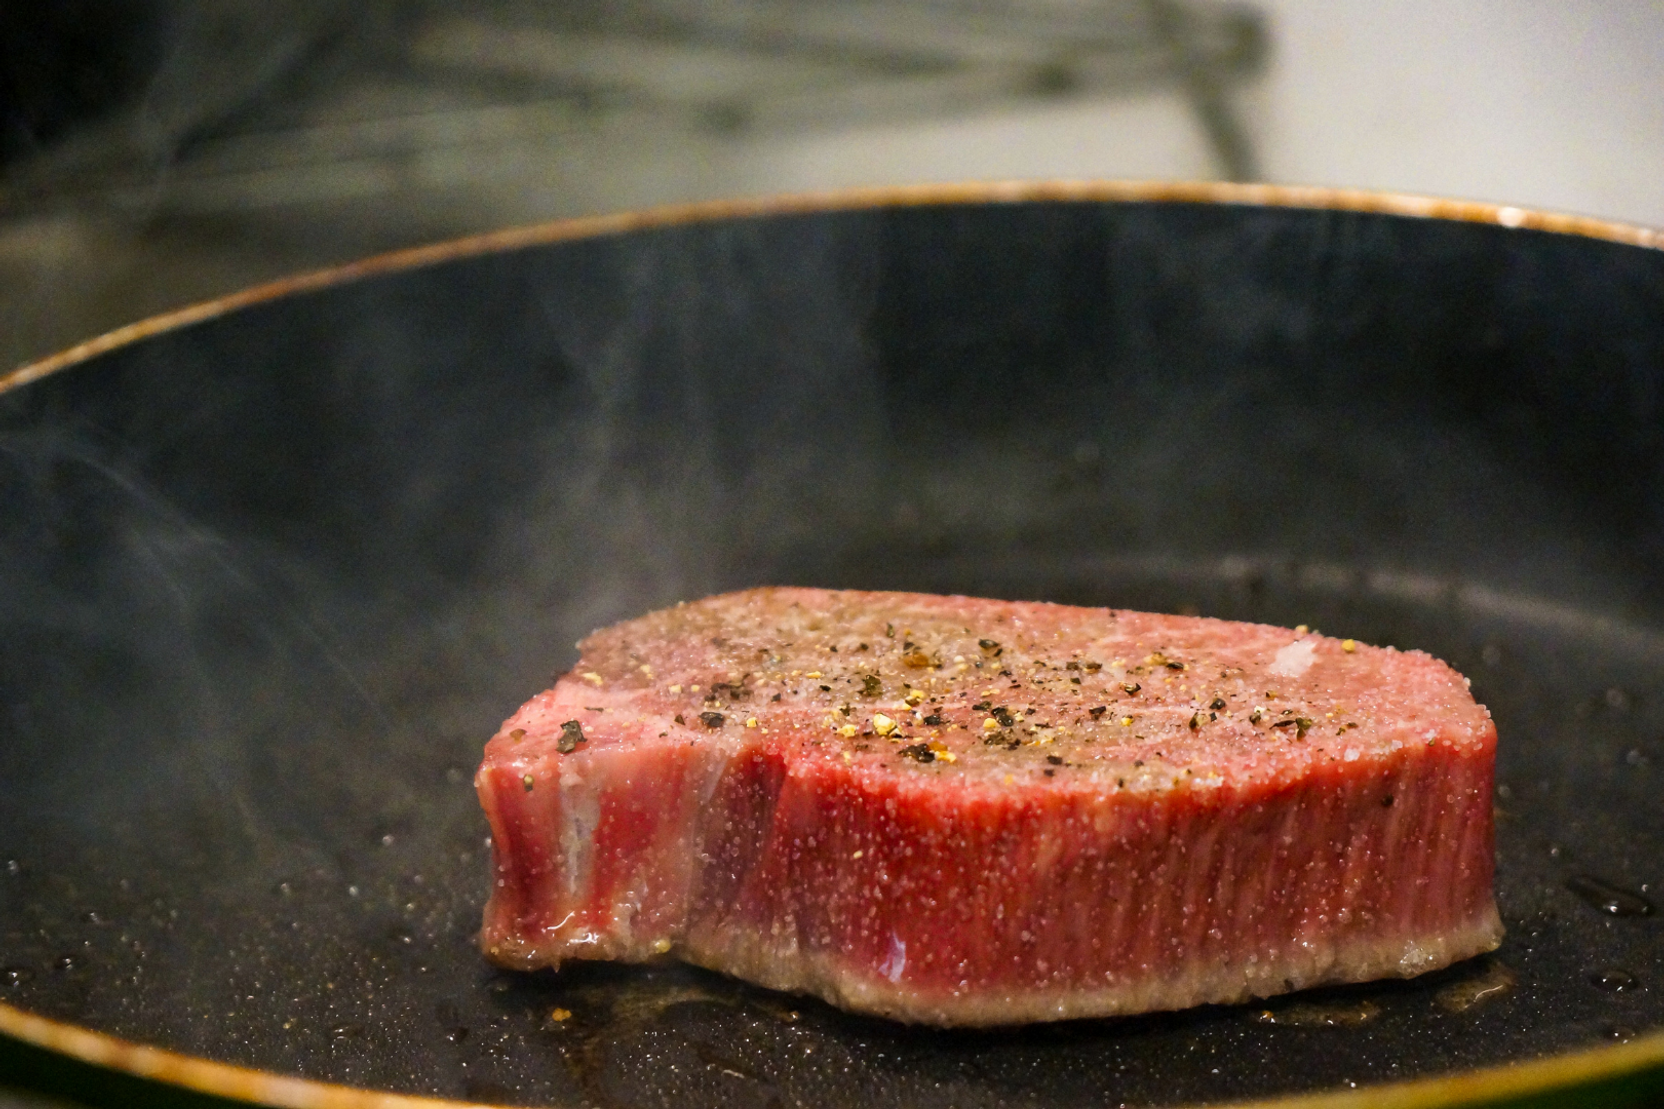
x=973, y=812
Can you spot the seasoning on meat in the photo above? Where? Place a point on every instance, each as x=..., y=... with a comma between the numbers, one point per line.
x=571, y=736
x=976, y=840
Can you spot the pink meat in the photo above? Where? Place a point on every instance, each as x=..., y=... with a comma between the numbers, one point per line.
x=974, y=812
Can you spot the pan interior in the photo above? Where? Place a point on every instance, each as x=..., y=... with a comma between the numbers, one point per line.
x=273, y=579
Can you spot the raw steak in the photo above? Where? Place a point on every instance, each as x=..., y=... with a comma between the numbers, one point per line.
x=974, y=812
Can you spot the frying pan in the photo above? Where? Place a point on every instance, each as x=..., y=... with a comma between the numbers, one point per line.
x=275, y=567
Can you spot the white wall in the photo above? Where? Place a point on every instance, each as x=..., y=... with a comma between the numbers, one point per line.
x=1543, y=104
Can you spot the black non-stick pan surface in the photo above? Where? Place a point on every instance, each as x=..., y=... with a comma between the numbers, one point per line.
x=270, y=578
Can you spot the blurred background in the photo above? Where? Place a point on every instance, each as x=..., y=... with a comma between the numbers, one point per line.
x=158, y=152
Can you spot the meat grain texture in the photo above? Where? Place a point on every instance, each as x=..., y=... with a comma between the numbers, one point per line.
x=973, y=812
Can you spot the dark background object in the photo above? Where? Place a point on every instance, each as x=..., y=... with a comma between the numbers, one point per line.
x=273, y=578
x=103, y=89
x=157, y=152
x=63, y=65
x=201, y=107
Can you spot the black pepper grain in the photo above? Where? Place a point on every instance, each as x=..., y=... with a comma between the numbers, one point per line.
x=571, y=734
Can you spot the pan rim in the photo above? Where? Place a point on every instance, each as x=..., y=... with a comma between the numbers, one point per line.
x=248, y=1084
x=1224, y=193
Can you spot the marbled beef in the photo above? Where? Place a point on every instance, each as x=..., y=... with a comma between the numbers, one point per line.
x=974, y=812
